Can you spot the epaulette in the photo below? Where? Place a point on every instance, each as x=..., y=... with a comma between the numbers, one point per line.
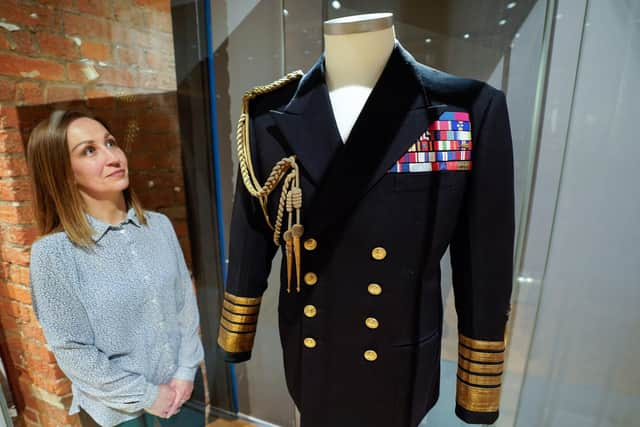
x=287, y=168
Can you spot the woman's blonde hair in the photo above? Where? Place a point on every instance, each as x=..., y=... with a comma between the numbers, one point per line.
x=58, y=205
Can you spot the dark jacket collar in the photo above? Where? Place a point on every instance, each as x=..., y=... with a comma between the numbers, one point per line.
x=393, y=117
x=314, y=80
x=308, y=124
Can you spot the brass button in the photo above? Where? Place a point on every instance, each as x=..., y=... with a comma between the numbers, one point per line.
x=311, y=279
x=370, y=355
x=310, y=343
x=310, y=311
x=374, y=289
x=372, y=323
x=379, y=253
x=310, y=244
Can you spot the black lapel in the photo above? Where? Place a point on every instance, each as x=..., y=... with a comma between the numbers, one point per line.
x=392, y=119
x=308, y=125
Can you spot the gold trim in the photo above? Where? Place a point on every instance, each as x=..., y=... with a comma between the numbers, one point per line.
x=235, y=343
x=479, y=379
x=477, y=399
x=310, y=311
x=374, y=289
x=370, y=355
x=242, y=300
x=480, y=368
x=240, y=309
x=310, y=244
x=311, y=278
x=285, y=170
x=372, y=323
x=481, y=345
x=379, y=253
x=480, y=356
x=237, y=328
x=239, y=318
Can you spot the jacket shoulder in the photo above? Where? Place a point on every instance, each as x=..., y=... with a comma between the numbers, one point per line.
x=273, y=95
x=454, y=90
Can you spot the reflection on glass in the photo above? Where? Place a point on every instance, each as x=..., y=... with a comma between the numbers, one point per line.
x=582, y=368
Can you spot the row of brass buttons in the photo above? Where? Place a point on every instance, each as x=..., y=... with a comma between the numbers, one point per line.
x=379, y=253
x=310, y=311
x=310, y=279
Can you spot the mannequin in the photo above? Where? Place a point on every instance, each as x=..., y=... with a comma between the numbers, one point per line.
x=425, y=163
x=356, y=50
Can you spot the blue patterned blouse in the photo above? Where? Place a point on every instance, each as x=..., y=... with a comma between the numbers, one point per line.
x=120, y=317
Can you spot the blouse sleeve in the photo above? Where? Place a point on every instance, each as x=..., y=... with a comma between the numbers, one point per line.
x=191, y=352
x=70, y=337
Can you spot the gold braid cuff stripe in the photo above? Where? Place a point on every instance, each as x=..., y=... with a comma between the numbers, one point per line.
x=240, y=309
x=480, y=368
x=238, y=323
x=232, y=327
x=480, y=356
x=479, y=379
x=481, y=345
x=242, y=300
x=238, y=318
x=233, y=342
x=477, y=399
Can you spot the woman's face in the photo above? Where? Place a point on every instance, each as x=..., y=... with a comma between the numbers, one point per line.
x=98, y=163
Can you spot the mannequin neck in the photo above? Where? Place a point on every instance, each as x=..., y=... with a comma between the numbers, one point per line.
x=358, y=58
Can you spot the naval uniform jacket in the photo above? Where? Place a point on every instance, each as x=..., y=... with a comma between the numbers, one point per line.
x=428, y=165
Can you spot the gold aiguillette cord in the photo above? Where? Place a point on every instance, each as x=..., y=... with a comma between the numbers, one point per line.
x=286, y=168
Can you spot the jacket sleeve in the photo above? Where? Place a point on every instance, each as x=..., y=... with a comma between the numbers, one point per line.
x=69, y=335
x=191, y=352
x=251, y=250
x=482, y=266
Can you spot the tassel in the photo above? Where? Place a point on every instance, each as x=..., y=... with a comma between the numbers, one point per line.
x=289, y=255
x=297, y=232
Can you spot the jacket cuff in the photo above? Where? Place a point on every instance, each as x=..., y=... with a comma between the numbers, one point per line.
x=237, y=357
x=238, y=325
x=479, y=382
x=471, y=417
x=184, y=373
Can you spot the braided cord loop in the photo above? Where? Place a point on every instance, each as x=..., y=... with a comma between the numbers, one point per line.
x=286, y=167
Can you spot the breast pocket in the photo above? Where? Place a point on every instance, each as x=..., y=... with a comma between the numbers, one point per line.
x=429, y=181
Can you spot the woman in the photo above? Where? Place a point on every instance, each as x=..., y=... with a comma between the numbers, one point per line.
x=108, y=280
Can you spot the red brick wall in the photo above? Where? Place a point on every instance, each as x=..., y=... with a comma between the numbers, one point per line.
x=114, y=57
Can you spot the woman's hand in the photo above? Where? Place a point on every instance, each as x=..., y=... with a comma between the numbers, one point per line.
x=164, y=402
x=183, y=390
